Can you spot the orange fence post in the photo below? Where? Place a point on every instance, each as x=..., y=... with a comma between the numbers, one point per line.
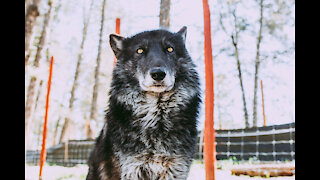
x=264, y=115
x=209, y=136
x=117, y=32
x=44, y=134
x=118, y=25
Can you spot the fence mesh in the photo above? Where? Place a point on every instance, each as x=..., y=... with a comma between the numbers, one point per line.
x=270, y=143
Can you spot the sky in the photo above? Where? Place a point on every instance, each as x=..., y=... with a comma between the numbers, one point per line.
x=136, y=16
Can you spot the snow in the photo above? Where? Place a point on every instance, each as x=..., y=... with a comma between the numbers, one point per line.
x=79, y=172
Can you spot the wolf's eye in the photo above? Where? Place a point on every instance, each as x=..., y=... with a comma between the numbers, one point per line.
x=169, y=49
x=140, y=51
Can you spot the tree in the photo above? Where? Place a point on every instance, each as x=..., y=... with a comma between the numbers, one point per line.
x=257, y=66
x=32, y=85
x=30, y=20
x=29, y=128
x=164, y=14
x=76, y=76
x=238, y=27
x=274, y=15
x=93, y=110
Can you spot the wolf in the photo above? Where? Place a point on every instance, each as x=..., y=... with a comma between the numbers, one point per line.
x=151, y=120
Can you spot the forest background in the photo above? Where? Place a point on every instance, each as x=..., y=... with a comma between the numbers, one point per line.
x=252, y=40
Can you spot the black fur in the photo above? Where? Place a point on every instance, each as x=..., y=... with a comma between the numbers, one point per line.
x=148, y=135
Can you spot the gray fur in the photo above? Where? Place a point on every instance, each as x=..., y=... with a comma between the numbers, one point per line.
x=150, y=132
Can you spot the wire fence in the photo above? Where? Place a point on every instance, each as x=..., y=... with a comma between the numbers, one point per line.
x=269, y=143
x=67, y=154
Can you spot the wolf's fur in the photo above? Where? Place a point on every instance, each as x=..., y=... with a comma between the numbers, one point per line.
x=150, y=130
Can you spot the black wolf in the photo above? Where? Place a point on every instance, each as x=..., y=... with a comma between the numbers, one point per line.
x=150, y=130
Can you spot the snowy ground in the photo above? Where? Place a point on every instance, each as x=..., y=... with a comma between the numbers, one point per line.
x=79, y=173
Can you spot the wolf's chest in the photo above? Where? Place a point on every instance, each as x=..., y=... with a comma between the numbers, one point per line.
x=153, y=166
x=151, y=112
x=154, y=124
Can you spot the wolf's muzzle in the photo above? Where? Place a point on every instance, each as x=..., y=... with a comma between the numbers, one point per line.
x=158, y=74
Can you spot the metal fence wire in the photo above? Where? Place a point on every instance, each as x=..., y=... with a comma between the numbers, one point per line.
x=67, y=154
x=269, y=143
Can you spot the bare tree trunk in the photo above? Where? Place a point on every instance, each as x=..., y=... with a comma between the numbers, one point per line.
x=56, y=127
x=29, y=128
x=30, y=101
x=164, y=14
x=32, y=84
x=43, y=36
x=26, y=2
x=76, y=76
x=93, y=111
x=235, y=44
x=55, y=131
x=26, y=59
x=257, y=65
x=241, y=83
x=234, y=38
x=30, y=20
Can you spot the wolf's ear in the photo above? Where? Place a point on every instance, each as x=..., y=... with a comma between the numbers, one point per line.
x=116, y=43
x=183, y=33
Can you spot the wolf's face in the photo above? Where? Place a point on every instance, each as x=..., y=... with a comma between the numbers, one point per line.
x=151, y=58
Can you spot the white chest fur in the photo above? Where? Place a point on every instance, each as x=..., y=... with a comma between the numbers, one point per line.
x=156, y=166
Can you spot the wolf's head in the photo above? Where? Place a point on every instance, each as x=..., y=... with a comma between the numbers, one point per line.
x=151, y=59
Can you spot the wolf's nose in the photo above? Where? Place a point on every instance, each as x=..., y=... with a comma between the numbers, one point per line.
x=157, y=74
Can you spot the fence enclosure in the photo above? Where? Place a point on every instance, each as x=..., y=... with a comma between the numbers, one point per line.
x=269, y=143
x=70, y=154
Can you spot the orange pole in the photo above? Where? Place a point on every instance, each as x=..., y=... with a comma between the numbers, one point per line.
x=118, y=25
x=44, y=135
x=118, y=32
x=264, y=115
x=209, y=136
